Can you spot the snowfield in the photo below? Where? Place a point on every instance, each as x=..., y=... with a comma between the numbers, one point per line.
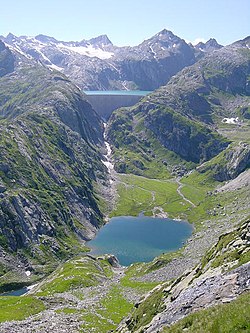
x=89, y=51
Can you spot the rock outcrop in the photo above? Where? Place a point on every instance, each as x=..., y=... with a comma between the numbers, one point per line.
x=183, y=116
x=49, y=165
x=6, y=60
x=231, y=163
x=222, y=276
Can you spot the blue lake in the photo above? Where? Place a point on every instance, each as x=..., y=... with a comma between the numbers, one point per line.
x=139, y=239
x=117, y=92
x=17, y=292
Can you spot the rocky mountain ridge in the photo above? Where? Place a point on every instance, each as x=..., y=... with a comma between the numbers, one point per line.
x=97, y=64
x=185, y=115
x=50, y=165
x=222, y=276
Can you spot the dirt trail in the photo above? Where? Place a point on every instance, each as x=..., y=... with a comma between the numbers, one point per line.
x=181, y=194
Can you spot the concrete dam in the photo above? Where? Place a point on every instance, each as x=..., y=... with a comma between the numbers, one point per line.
x=105, y=102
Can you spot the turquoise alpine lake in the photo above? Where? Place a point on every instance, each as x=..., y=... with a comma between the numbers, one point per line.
x=117, y=92
x=139, y=239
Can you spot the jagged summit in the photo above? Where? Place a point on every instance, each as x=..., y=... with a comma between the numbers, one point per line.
x=165, y=32
x=209, y=46
x=9, y=38
x=97, y=64
x=213, y=42
x=101, y=40
x=165, y=35
x=46, y=39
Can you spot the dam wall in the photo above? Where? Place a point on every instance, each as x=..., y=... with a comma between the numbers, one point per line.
x=105, y=104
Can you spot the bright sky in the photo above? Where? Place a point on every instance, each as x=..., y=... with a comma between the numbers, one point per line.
x=127, y=22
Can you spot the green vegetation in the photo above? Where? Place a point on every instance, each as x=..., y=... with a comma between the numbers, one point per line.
x=106, y=315
x=152, y=196
x=236, y=133
x=138, y=194
x=114, y=306
x=231, y=248
x=96, y=323
x=224, y=318
x=78, y=273
x=19, y=308
x=147, y=309
x=133, y=272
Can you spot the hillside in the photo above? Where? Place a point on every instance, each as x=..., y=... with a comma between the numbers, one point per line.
x=185, y=121
x=181, y=152
x=50, y=165
x=216, y=288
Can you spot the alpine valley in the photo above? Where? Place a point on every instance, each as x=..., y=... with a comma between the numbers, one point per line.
x=182, y=151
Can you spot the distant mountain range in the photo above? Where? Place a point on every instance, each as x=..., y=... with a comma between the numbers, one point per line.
x=97, y=64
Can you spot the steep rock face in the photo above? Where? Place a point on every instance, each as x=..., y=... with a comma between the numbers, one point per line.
x=6, y=60
x=49, y=165
x=230, y=164
x=191, y=141
x=153, y=62
x=202, y=48
x=182, y=115
x=222, y=276
x=99, y=65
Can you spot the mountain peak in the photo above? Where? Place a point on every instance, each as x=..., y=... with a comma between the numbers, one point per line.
x=243, y=42
x=101, y=40
x=210, y=45
x=10, y=37
x=212, y=42
x=165, y=36
x=165, y=32
x=46, y=39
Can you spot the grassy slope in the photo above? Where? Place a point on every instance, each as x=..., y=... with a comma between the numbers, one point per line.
x=76, y=273
x=225, y=255
x=138, y=194
x=49, y=167
x=19, y=308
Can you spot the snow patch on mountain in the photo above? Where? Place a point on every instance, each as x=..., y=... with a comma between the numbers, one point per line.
x=89, y=51
x=17, y=49
x=154, y=53
x=231, y=120
x=57, y=68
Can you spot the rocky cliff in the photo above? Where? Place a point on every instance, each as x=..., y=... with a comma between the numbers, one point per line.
x=229, y=164
x=185, y=116
x=50, y=165
x=221, y=278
